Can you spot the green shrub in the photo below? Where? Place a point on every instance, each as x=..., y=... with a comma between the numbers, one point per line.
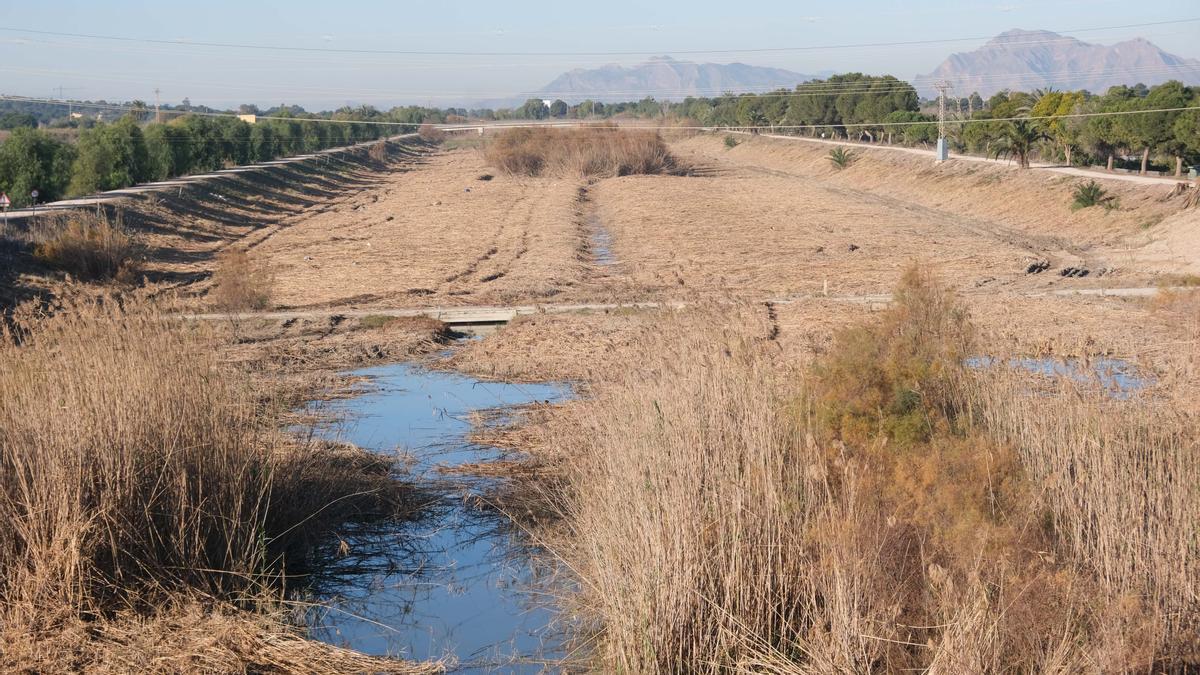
x=841, y=158
x=731, y=142
x=1091, y=194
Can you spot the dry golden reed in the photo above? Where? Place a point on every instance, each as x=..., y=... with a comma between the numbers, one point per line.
x=887, y=510
x=89, y=247
x=240, y=281
x=596, y=150
x=139, y=471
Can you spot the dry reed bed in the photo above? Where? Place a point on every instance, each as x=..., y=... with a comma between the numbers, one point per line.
x=137, y=469
x=600, y=150
x=885, y=510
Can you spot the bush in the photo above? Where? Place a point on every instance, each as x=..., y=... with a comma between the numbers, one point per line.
x=600, y=150
x=378, y=151
x=731, y=142
x=240, y=283
x=842, y=158
x=1089, y=194
x=89, y=247
x=431, y=134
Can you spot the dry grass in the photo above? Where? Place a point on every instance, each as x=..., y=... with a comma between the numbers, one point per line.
x=886, y=510
x=89, y=247
x=138, y=469
x=598, y=150
x=379, y=151
x=431, y=134
x=190, y=637
x=241, y=282
x=423, y=239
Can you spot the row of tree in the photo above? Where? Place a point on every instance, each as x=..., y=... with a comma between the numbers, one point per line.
x=1074, y=127
x=1077, y=127
x=113, y=155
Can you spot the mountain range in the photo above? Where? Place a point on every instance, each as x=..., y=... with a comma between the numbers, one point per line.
x=1016, y=59
x=666, y=78
x=1037, y=59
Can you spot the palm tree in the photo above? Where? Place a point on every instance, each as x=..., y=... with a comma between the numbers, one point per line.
x=1017, y=138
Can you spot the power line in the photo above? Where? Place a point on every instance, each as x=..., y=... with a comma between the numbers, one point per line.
x=109, y=106
x=801, y=89
x=411, y=52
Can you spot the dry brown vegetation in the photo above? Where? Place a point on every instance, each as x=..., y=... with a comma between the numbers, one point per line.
x=886, y=509
x=90, y=247
x=241, y=282
x=596, y=150
x=140, y=471
x=431, y=134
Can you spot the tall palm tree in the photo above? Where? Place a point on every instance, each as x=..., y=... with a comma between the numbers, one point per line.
x=1017, y=138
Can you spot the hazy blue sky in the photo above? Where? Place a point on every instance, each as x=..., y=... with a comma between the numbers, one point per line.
x=35, y=65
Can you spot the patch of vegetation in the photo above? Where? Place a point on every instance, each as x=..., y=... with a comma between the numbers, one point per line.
x=731, y=142
x=841, y=157
x=970, y=521
x=595, y=150
x=431, y=134
x=89, y=247
x=372, y=321
x=241, y=282
x=1089, y=194
x=143, y=474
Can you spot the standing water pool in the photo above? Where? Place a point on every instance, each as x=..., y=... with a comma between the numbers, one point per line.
x=454, y=583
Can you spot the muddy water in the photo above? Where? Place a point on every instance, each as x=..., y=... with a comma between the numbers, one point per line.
x=600, y=242
x=455, y=583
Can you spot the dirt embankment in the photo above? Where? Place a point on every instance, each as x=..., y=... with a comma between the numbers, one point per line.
x=178, y=233
x=1031, y=209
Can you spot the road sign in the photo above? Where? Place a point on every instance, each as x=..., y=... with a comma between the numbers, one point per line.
x=4, y=200
x=34, y=194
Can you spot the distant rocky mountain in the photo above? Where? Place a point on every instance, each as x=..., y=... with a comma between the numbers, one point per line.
x=665, y=78
x=1031, y=59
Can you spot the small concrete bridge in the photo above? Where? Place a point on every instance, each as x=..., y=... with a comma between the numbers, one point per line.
x=465, y=316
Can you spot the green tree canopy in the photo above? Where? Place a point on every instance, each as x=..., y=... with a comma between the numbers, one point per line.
x=110, y=156
x=34, y=160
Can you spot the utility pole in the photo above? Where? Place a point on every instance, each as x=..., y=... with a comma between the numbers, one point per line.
x=943, y=148
x=61, y=91
x=157, y=108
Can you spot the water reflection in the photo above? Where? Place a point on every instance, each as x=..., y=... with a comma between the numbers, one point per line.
x=449, y=584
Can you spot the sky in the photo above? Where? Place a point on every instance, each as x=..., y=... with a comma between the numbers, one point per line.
x=518, y=35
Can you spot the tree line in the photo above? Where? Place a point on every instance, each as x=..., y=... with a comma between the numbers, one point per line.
x=113, y=155
x=881, y=109
x=1049, y=124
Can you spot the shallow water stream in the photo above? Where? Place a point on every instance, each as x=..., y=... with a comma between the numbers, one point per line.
x=454, y=583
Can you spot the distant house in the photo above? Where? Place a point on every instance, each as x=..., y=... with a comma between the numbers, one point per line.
x=76, y=116
x=248, y=119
